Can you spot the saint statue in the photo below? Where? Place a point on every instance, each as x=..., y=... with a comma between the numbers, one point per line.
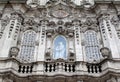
x=59, y=50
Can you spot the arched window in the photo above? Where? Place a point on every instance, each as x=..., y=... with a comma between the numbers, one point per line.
x=27, y=46
x=59, y=49
x=92, y=46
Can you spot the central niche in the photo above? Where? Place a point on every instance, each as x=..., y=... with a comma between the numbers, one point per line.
x=60, y=47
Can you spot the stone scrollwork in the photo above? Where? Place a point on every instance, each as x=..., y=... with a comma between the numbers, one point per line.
x=4, y=23
x=105, y=52
x=49, y=32
x=60, y=30
x=68, y=24
x=14, y=51
x=115, y=22
x=76, y=22
x=89, y=24
x=29, y=23
x=16, y=15
x=70, y=32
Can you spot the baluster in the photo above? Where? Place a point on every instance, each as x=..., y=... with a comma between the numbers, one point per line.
x=54, y=67
x=23, y=69
x=96, y=68
x=64, y=67
x=67, y=67
x=71, y=68
x=60, y=67
x=88, y=68
x=31, y=69
x=48, y=67
x=100, y=70
x=27, y=69
x=19, y=70
x=92, y=69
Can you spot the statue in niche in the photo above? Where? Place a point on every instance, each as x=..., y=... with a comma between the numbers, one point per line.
x=60, y=48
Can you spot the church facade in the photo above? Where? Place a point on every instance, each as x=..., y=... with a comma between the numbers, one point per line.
x=59, y=41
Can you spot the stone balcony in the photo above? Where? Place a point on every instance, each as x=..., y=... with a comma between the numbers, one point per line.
x=11, y=65
x=58, y=68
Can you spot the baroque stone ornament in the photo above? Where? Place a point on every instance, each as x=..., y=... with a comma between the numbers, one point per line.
x=59, y=11
x=70, y=32
x=4, y=23
x=88, y=3
x=14, y=51
x=49, y=32
x=33, y=3
x=105, y=52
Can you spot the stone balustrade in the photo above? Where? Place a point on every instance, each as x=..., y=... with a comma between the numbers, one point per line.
x=60, y=67
x=94, y=68
x=25, y=69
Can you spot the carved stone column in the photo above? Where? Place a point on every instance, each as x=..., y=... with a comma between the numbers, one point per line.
x=116, y=24
x=11, y=33
x=77, y=36
x=42, y=40
x=108, y=34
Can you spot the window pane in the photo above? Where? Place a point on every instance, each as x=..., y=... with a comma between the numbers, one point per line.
x=27, y=46
x=92, y=46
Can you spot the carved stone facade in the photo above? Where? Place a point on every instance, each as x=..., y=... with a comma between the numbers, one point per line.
x=60, y=41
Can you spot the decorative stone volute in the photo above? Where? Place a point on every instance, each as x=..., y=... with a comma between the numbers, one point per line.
x=60, y=30
x=115, y=21
x=68, y=24
x=103, y=16
x=14, y=51
x=49, y=32
x=4, y=22
x=16, y=15
x=51, y=24
x=29, y=22
x=44, y=22
x=70, y=32
x=105, y=52
x=76, y=22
